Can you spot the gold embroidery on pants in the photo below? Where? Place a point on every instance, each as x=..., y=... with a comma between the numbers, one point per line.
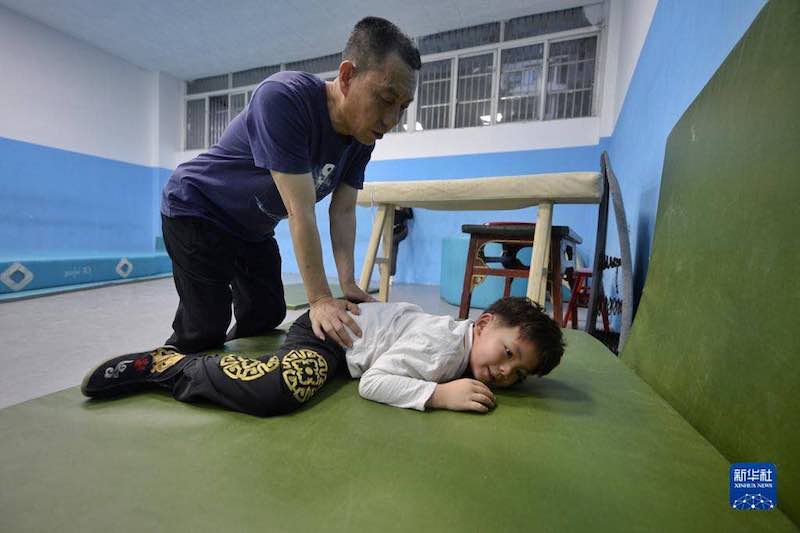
x=245, y=369
x=163, y=358
x=304, y=371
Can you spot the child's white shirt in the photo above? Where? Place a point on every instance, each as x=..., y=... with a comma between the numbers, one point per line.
x=404, y=352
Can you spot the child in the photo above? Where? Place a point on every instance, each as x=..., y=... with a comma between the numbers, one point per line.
x=405, y=357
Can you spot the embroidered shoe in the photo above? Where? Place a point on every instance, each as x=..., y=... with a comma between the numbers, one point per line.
x=132, y=372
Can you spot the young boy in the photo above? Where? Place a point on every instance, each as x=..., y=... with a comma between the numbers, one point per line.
x=405, y=357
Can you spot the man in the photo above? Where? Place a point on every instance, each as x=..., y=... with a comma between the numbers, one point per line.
x=299, y=139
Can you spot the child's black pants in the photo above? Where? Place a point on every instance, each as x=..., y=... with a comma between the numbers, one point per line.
x=269, y=385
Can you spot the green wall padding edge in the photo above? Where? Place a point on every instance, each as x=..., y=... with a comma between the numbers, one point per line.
x=716, y=330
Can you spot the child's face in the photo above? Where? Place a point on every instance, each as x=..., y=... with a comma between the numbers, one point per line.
x=499, y=357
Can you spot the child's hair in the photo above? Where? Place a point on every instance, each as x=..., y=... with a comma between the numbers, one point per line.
x=534, y=326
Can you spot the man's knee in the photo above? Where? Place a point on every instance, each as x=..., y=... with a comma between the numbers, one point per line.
x=257, y=325
x=199, y=342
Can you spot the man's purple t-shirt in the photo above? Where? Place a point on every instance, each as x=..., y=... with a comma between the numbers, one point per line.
x=286, y=128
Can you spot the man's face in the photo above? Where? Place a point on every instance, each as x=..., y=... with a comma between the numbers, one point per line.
x=499, y=357
x=375, y=99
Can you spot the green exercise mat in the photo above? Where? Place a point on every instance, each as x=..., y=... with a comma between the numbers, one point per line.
x=295, y=295
x=589, y=448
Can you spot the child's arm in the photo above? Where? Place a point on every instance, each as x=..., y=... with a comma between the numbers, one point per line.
x=379, y=385
x=390, y=381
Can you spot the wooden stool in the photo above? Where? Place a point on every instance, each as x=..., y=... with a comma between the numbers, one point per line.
x=513, y=236
x=579, y=289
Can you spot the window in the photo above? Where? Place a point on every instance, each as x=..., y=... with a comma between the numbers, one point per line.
x=217, y=117
x=403, y=124
x=544, y=23
x=520, y=83
x=460, y=38
x=534, y=67
x=253, y=76
x=195, y=124
x=204, y=85
x=434, y=95
x=570, y=78
x=237, y=104
x=317, y=65
x=474, y=94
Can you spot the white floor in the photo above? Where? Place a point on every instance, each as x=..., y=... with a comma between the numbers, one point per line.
x=49, y=343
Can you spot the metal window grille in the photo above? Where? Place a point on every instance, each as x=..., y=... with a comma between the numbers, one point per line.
x=195, y=124
x=474, y=91
x=434, y=95
x=460, y=38
x=205, y=85
x=254, y=76
x=317, y=64
x=237, y=104
x=520, y=83
x=521, y=89
x=403, y=124
x=570, y=78
x=544, y=23
x=217, y=117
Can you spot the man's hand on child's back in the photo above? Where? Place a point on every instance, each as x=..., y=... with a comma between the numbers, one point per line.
x=462, y=395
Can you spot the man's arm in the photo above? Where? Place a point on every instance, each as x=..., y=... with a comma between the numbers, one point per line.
x=328, y=315
x=342, y=215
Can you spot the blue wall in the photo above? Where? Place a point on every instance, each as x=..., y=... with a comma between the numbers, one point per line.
x=57, y=203
x=420, y=253
x=685, y=45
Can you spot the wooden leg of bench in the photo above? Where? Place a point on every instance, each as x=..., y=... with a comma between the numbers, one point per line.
x=537, y=276
x=372, y=249
x=388, y=252
x=545, y=274
x=466, y=291
x=556, y=252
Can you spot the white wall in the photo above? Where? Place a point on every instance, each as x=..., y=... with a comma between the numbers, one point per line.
x=510, y=137
x=167, y=138
x=636, y=18
x=60, y=92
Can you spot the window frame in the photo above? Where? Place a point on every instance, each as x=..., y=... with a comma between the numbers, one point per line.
x=454, y=56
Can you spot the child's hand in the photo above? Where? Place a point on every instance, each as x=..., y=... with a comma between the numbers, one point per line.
x=462, y=395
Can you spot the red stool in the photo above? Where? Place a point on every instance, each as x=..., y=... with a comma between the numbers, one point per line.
x=580, y=293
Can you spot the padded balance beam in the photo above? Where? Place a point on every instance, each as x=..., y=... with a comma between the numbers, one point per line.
x=494, y=193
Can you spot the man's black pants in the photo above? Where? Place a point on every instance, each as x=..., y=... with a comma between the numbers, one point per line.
x=273, y=384
x=213, y=269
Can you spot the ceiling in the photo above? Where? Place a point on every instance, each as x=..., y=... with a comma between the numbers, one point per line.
x=191, y=39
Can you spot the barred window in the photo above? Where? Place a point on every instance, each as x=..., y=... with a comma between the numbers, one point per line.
x=544, y=23
x=570, y=78
x=533, y=67
x=217, y=117
x=254, y=76
x=434, y=95
x=195, y=124
x=205, y=85
x=237, y=104
x=317, y=64
x=403, y=124
x=520, y=83
x=460, y=38
x=474, y=91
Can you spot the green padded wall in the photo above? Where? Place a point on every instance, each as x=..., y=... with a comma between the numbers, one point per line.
x=716, y=331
